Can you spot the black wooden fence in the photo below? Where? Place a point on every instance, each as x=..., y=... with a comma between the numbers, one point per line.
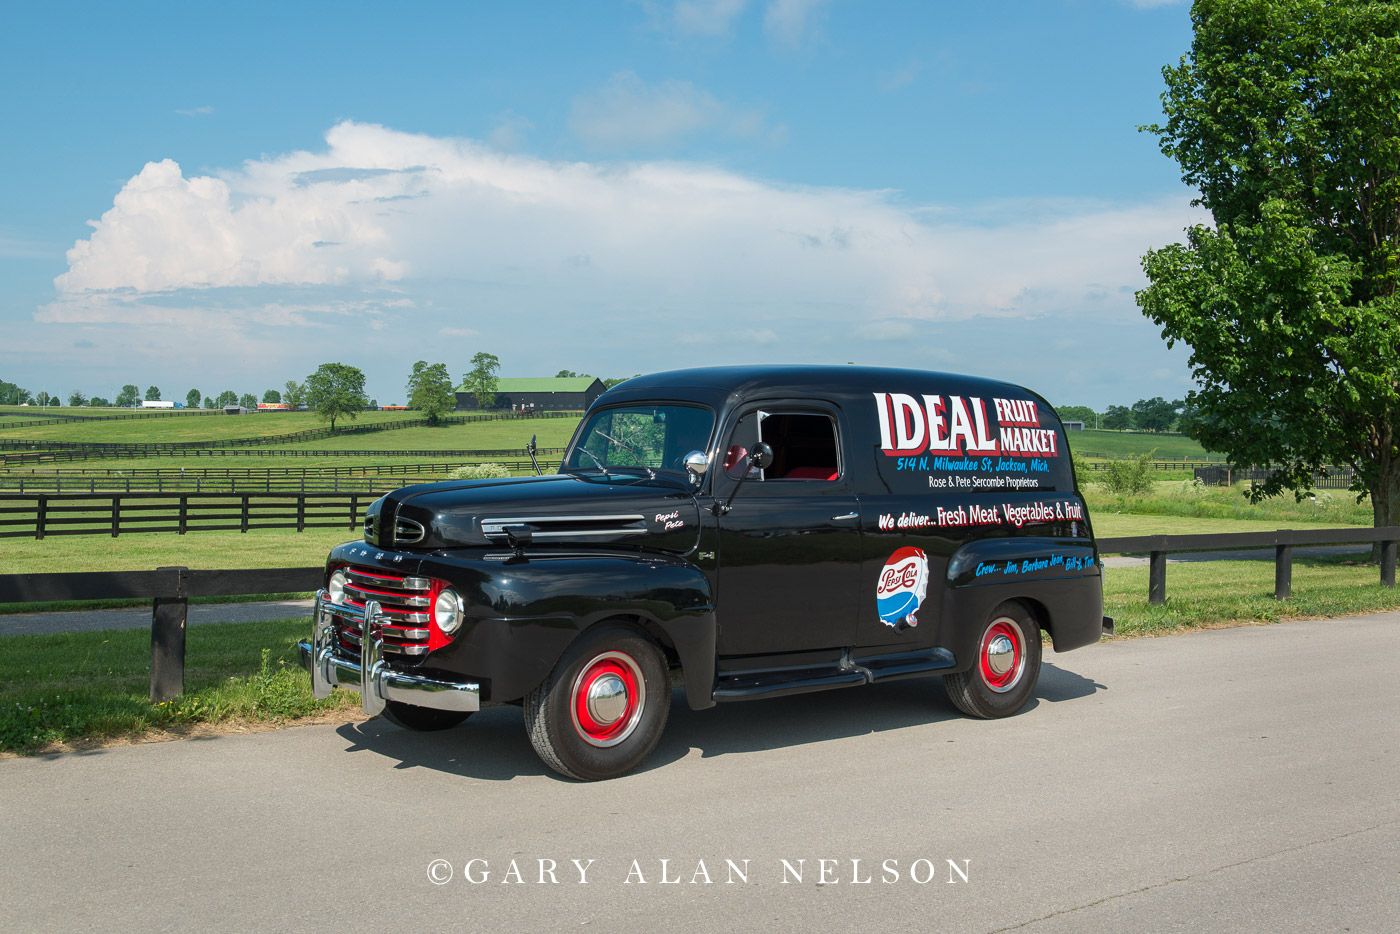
x=170, y=590
x=118, y=513
x=1283, y=541
x=24, y=459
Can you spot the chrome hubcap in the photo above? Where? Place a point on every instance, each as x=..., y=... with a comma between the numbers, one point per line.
x=607, y=699
x=1001, y=655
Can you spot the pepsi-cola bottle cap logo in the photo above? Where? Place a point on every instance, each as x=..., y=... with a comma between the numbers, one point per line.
x=902, y=587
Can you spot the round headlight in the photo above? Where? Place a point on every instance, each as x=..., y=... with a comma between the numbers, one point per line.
x=336, y=587
x=448, y=610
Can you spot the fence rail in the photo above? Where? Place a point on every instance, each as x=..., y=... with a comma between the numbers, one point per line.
x=1282, y=541
x=117, y=514
x=244, y=479
x=62, y=457
x=169, y=589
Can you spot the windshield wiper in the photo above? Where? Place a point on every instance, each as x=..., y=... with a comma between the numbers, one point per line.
x=594, y=457
x=651, y=474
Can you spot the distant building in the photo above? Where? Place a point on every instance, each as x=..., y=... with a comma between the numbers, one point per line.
x=1073, y=426
x=235, y=410
x=544, y=394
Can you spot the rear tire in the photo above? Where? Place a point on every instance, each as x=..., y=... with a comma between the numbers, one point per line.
x=1003, y=676
x=602, y=709
x=422, y=719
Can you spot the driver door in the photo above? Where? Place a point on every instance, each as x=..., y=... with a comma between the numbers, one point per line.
x=789, y=548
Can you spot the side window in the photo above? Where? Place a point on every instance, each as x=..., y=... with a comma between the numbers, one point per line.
x=804, y=446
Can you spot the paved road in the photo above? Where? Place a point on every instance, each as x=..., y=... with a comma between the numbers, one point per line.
x=31, y=624
x=1235, y=780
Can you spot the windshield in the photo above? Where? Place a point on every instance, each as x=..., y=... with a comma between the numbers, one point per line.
x=642, y=436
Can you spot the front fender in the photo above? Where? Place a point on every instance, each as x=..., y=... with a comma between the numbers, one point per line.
x=525, y=613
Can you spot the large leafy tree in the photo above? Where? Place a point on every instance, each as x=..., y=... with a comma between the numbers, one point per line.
x=227, y=397
x=13, y=394
x=152, y=393
x=481, y=380
x=294, y=394
x=272, y=397
x=1155, y=414
x=192, y=399
x=129, y=396
x=336, y=390
x=1286, y=117
x=430, y=390
x=1117, y=418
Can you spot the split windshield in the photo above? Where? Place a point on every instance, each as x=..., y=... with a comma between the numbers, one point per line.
x=642, y=436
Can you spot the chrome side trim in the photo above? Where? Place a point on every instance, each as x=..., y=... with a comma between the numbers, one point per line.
x=408, y=531
x=496, y=528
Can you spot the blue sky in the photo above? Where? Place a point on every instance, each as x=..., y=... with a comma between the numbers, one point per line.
x=225, y=197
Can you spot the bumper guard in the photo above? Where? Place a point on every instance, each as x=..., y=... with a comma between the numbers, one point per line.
x=376, y=682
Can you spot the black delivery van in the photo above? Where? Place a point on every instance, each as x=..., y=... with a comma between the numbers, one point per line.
x=751, y=531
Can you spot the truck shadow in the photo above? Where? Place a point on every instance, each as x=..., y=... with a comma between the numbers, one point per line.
x=492, y=745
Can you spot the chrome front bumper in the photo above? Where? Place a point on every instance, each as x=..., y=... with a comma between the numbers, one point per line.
x=375, y=681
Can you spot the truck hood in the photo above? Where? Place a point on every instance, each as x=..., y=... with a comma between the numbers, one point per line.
x=559, y=509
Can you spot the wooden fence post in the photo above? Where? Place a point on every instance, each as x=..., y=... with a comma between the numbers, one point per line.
x=41, y=517
x=168, y=623
x=1157, y=578
x=1388, y=563
x=1283, y=572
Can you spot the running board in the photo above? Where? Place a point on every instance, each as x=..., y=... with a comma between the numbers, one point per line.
x=777, y=682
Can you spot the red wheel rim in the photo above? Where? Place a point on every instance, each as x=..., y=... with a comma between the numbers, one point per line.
x=607, y=699
x=1002, y=656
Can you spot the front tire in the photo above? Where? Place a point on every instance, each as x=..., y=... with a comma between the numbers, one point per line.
x=1003, y=676
x=422, y=719
x=603, y=707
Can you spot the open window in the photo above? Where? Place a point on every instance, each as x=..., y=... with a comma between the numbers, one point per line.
x=804, y=446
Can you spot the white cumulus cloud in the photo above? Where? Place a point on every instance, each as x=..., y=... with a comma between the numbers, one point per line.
x=580, y=264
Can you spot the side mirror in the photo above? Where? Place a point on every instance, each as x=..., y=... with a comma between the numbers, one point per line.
x=696, y=464
x=757, y=459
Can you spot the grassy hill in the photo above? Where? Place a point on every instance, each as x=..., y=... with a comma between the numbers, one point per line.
x=1101, y=443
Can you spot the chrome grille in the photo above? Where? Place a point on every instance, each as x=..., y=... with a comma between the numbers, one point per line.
x=405, y=602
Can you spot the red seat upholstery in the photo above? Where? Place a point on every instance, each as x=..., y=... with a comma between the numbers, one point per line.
x=811, y=473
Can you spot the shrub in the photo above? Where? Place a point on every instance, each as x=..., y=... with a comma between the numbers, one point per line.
x=479, y=472
x=1131, y=477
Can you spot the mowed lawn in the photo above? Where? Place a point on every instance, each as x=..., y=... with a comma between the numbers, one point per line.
x=1111, y=445
x=165, y=428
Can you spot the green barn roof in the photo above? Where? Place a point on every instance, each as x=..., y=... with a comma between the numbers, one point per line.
x=541, y=384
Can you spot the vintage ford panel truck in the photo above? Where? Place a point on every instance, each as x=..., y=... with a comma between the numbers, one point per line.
x=756, y=531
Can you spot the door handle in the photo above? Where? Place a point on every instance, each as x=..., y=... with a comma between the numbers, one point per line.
x=849, y=515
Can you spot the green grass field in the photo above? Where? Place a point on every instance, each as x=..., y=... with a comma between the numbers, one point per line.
x=95, y=685
x=1093, y=443
x=511, y=434
x=197, y=428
